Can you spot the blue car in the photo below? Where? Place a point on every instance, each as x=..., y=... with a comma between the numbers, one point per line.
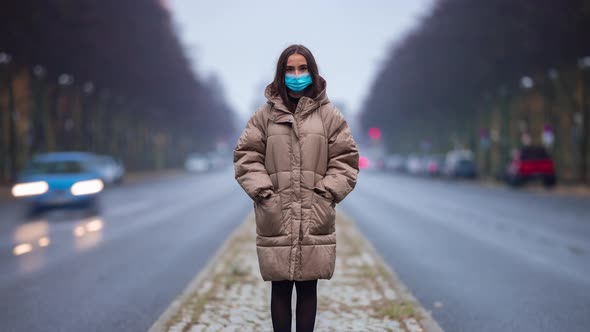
x=60, y=179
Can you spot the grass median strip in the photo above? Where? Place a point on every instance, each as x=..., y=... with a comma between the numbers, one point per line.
x=363, y=295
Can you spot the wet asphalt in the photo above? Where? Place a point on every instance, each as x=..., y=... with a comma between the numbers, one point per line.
x=480, y=258
x=120, y=269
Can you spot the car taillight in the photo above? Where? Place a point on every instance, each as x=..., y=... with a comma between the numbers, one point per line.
x=363, y=162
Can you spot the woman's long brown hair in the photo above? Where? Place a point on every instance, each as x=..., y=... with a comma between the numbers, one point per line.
x=278, y=85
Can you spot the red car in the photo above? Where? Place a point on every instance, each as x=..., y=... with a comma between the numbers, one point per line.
x=531, y=163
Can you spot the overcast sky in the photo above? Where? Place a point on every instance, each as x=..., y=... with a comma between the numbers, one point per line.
x=240, y=41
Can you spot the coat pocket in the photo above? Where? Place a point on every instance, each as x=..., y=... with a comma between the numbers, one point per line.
x=268, y=215
x=323, y=215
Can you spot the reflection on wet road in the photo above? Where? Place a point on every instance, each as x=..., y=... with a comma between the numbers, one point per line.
x=119, y=269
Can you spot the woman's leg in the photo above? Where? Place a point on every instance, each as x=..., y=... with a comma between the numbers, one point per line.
x=307, y=302
x=280, y=305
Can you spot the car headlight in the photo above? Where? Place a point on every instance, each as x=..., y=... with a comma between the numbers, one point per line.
x=87, y=187
x=29, y=188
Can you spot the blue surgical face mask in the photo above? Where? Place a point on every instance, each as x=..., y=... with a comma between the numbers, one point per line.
x=297, y=83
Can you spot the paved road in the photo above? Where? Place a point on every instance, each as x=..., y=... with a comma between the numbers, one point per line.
x=495, y=259
x=120, y=270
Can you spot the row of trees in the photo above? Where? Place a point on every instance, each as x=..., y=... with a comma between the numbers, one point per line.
x=106, y=76
x=476, y=73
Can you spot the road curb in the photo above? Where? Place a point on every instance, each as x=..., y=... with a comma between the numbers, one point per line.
x=427, y=321
x=160, y=324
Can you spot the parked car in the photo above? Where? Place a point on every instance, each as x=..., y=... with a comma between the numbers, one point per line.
x=459, y=164
x=373, y=156
x=197, y=163
x=59, y=179
x=461, y=168
x=432, y=165
x=218, y=160
x=394, y=162
x=370, y=163
x=414, y=164
x=111, y=171
x=528, y=164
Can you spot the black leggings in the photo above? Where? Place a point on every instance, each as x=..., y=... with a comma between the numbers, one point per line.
x=280, y=305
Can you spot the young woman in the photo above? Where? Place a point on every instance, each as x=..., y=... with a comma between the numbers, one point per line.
x=296, y=159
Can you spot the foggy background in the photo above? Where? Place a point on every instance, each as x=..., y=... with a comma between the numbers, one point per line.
x=118, y=119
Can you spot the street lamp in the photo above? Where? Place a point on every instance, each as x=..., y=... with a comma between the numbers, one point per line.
x=65, y=79
x=527, y=82
x=40, y=121
x=5, y=58
x=88, y=88
x=584, y=63
x=38, y=71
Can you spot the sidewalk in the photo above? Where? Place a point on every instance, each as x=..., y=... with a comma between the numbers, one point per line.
x=229, y=294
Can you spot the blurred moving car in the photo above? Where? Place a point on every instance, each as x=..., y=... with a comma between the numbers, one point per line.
x=111, y=171
x=460, y=164
x=59, y=179
x=528, y=164
x=197, y=163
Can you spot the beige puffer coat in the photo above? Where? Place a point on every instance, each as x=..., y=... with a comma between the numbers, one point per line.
x=296, y=167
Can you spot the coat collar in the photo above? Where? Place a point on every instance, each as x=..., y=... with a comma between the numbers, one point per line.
x=305, y=105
